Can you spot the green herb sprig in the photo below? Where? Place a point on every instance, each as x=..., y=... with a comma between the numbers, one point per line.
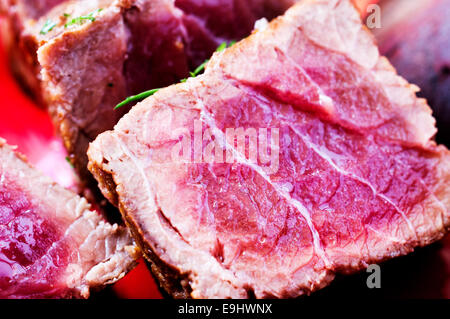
x=202, y=67
x=69, y=161
x=48, y=26
x=79, y=20
x=193, y=74
x=137, y=97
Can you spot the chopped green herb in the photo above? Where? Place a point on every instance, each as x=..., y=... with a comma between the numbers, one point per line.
x=222, y=47
x=79, y=20
x=48, y=26
x=68, y=161
x=66, y=15
x=194, y=74
x=199, y=70
x=138, y=97
x=202, y=67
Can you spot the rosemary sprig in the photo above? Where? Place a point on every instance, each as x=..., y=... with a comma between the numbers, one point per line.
x=199, y=70
x=79, y=20
x=69, y=161
x=222, y=47
x=202, y=67
x=137, y=97
x=193, y=74
x=48, y=26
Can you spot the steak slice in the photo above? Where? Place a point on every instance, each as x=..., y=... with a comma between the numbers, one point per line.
x=82, y=70
x=51, y=244
x=351, y=177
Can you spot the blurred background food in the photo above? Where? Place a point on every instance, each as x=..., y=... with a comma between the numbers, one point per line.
x=415, y=36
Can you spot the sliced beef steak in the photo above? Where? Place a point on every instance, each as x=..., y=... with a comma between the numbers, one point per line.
x=351, y=177
x=51, y=244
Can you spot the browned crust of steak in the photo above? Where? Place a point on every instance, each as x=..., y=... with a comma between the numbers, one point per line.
x=169, y=278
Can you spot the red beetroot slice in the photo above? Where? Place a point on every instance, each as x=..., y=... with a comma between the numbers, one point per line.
x=359, y=178
x=51, y=244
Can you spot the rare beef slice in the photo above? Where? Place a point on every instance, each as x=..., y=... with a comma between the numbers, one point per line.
x=51, y=244
x=93, y=54
x=352, y=175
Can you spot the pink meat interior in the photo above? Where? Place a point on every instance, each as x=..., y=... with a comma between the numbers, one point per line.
x=31, y=258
